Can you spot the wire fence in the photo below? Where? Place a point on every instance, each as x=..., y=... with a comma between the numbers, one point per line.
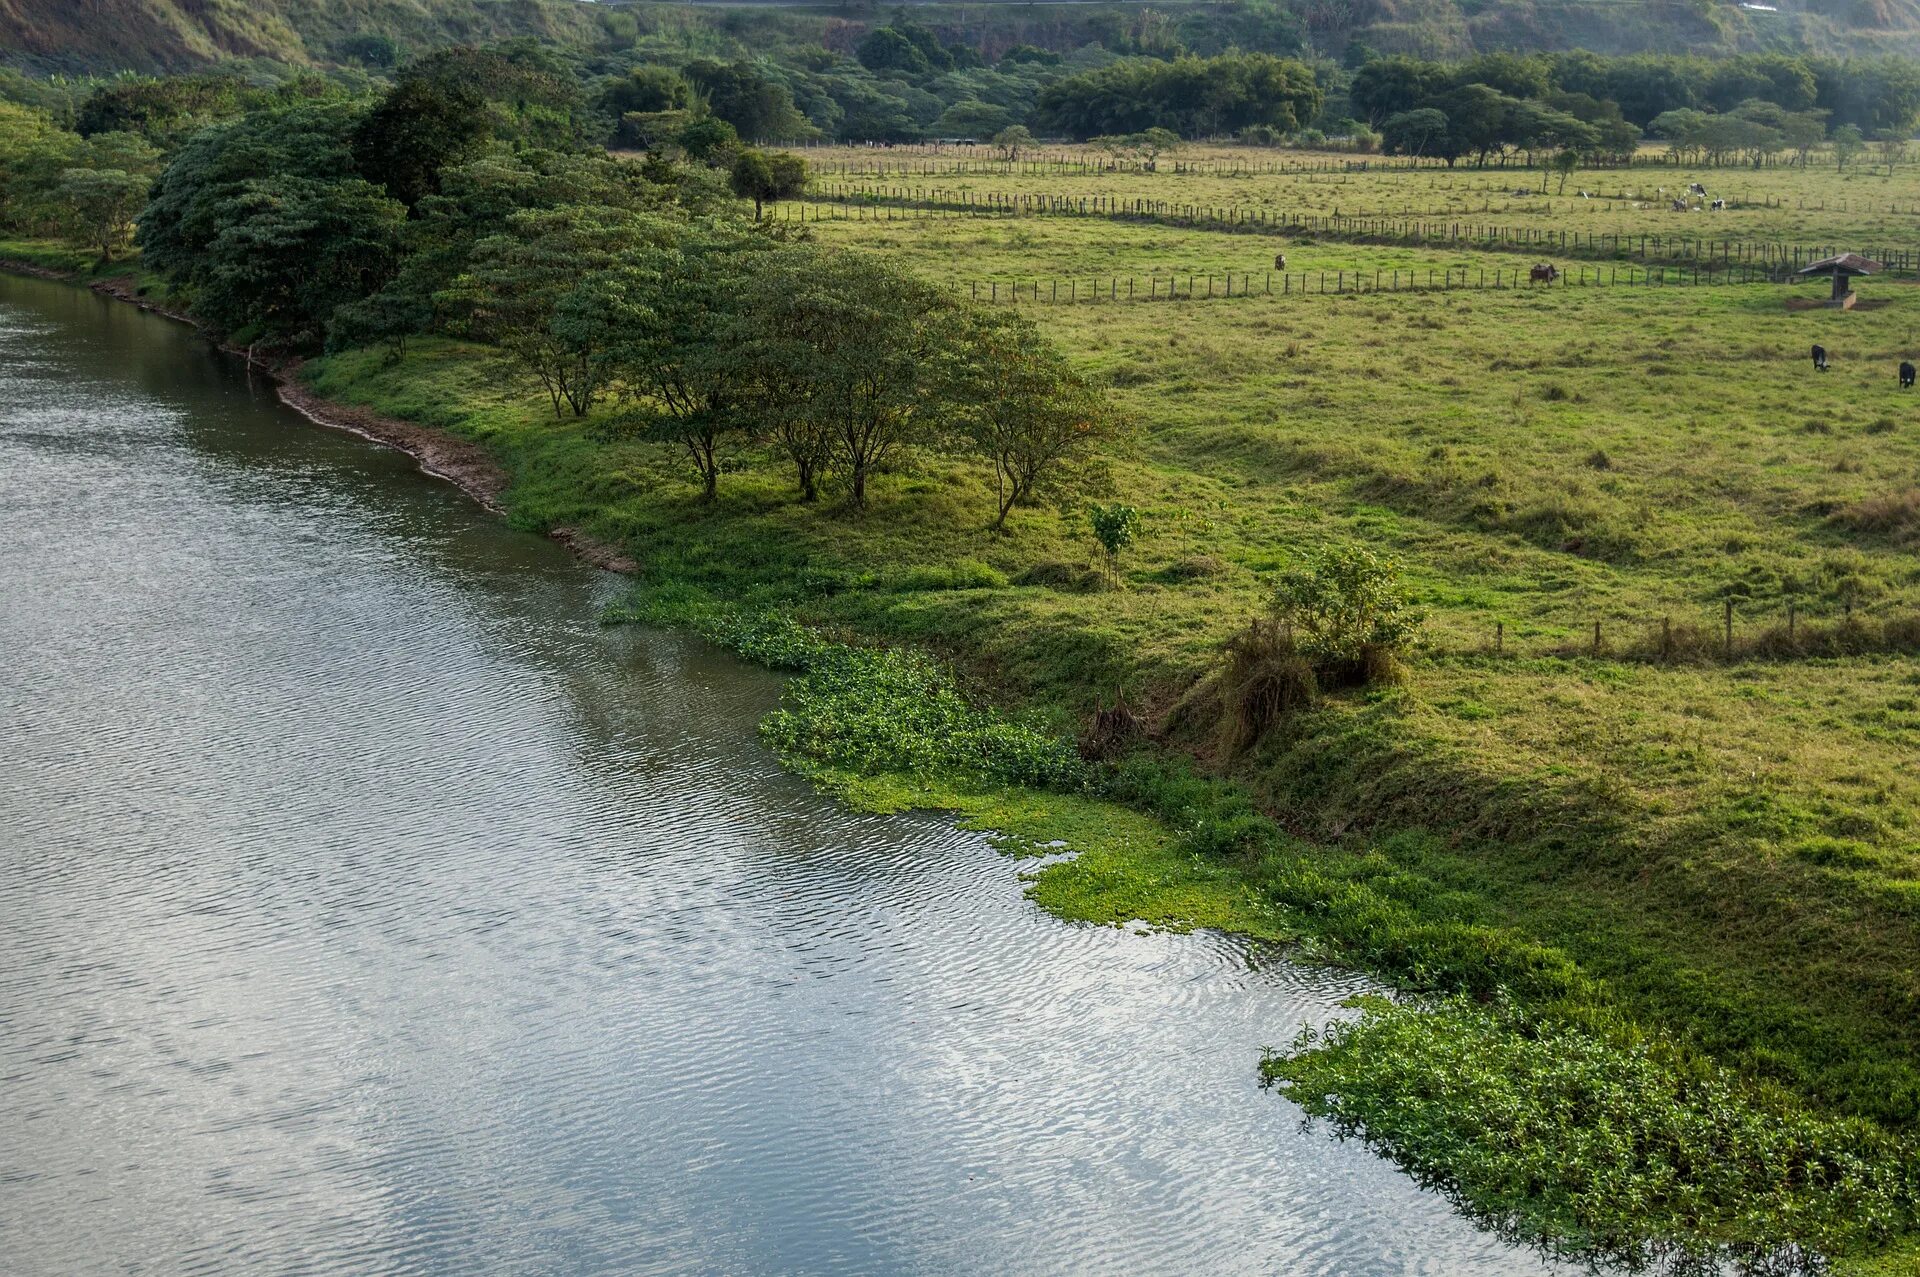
x=979, y=160
x=845, y=203
x=1205, y=287
x=1729, y=634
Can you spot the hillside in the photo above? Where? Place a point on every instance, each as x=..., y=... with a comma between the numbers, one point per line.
x=171, y=35
x=154, y=35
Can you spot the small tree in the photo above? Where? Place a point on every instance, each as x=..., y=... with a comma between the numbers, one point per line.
x=1012, y=140
x=1848, y=142
x=1026, y=411
x=102, y=204
x=752, y=179
x=1564, y=164
x=558, y=294
x=1350, y=614
x=1115, y=527
x=761, y=178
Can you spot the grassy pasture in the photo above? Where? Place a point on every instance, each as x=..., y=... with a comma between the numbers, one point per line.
x=1864, y=206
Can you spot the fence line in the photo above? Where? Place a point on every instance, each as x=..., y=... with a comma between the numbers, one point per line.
x=1051, y=162
x=855, y=204
x=1725, y=635
x=1202, y=287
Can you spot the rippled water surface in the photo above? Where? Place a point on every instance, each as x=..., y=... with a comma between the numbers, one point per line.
x=365, y=906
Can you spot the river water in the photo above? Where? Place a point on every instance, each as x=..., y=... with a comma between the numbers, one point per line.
x=366, y=906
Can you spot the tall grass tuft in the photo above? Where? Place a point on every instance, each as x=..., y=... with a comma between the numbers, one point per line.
x=1266, y=679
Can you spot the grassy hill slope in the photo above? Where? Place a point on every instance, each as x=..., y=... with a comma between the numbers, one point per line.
x=152, y=35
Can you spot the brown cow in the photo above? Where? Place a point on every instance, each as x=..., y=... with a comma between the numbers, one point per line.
x=1543, y=274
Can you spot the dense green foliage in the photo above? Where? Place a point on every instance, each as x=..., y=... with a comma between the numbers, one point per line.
x=1618, y=1148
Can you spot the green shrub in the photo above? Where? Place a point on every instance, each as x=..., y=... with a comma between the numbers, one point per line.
x=1350, y=614
x=1600, y=1148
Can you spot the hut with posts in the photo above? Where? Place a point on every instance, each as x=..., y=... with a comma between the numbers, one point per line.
x=1842, y=270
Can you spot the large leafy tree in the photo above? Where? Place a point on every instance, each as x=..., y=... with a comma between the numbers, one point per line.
x=190, y=208
x=676, y=353
x=423, y=125
x=557, y=293
x=291, y=250
x=758, y=106
x=853, y=350
x=102, y=204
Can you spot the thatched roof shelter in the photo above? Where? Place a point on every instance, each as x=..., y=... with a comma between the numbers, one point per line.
x=1841, y=269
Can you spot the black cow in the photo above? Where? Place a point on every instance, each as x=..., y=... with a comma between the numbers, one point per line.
x=1906, y=375
x=1819, y=358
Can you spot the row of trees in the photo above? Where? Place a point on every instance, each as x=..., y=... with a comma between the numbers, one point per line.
x=1479, y=120
x=1877, y=96
x=713, y=338
x=1188, y=96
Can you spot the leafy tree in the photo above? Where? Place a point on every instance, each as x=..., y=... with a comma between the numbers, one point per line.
x=531, y=98
x=1115, y=527
x=388, y=318
x=646, y=89
x=1848, y=142
x=291, y=250
x=424, y=124
x=1514, y=74
x=1477, y=119
x=676, y=353
x=761, y=178
x=33, y=155
x=191, y=201
x=164, y=111
x=853, y=349
x=1024, y=410
x=754, y=103
x=1418, y=132
x=1013, y=140
x=752, y=179
x=707, y=138
x=1386, y=87
x=102, y=204
x=1565, y=162
x=1192, y=97
x=558, y=292
x=885, y=49
x=1802, y=131
x=972, y=118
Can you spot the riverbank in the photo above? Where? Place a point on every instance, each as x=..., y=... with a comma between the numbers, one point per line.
x=1425, y=864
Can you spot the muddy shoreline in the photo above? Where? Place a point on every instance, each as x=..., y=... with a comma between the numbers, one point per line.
x=461, y=462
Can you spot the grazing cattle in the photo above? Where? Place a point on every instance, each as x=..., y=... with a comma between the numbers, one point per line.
x=1697, y=189
x=1819, y=358
x=1279, y=261
x=1906, y=375
x=1719, y=204
x=1543, y=274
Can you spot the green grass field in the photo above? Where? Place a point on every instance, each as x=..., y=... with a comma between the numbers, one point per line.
x=1864, y=205
x=1646, y=831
